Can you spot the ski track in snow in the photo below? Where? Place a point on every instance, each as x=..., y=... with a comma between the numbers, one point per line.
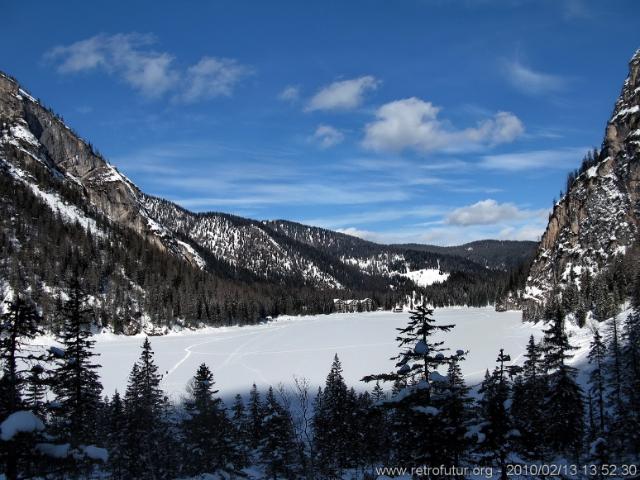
x=276, y=352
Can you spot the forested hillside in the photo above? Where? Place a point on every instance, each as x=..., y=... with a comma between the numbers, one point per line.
x=149, y=264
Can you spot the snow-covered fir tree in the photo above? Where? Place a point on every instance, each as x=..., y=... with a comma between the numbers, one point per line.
x=455, y=411
x=18, y=324
x=415, y=421
x=255, y=415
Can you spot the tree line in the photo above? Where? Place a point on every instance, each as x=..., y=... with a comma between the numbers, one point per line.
x=421, y=413
x=136, y=284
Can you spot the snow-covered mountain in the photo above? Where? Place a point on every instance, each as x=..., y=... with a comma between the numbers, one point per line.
x=144, y=253
x=596, y=222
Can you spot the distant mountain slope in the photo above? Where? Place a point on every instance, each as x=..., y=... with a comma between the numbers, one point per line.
x=388, y=258
x=146, y=261
x=495, y=254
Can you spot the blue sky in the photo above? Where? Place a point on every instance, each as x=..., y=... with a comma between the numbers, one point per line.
x=426, y=121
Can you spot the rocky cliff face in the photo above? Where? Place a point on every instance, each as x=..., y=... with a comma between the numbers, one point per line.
x=31, y=134
x=598, y=218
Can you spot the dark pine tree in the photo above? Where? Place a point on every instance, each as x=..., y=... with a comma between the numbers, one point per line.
x=116, y=437
x=255, y=417
x=240, y=422
x=75, y=380
x=615, y=381
x=529, y=392
x=495, y=428
x=454, y=408
x=631, y=385
x=333, y=424
x=147, y=430
x=277, y=449
x=564, y=409
x=597, y=386
x=208, y=432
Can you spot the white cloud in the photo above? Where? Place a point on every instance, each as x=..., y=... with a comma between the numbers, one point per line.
x=342, y=95
x=489, y=212
x=290, y=93
x=451, y=235
x=525, y=232
x=413, y=123
x=514, y=162
x=328, y=136
x=530, y=81
x=212, y=77
x=363, y=234
x=131, y=58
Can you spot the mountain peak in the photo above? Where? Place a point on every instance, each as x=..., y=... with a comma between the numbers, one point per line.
x=596, y=222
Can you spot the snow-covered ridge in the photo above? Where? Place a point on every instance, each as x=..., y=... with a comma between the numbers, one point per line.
x=242, y=243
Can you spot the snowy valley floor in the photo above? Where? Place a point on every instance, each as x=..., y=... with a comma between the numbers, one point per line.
x=274, y=353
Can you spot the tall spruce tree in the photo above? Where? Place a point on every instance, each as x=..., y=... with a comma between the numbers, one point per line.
x=564, y=409
x=147, y=430
x=631, y=385
x=75, y=379
x=455, y=412
x=377, y=429
x=116, y=437
x=529, y=393
x=496, y=431
x=597, y=385
x=277, y=448
x=615, y=382
x=35, y=390
x=240, y=430
x=333, y=423
x=208, y=432
x=255, y=416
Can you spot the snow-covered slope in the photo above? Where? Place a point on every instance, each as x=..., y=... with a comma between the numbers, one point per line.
x=597, y=219
x=242, y=243
x=389, y=260
x=426, y=276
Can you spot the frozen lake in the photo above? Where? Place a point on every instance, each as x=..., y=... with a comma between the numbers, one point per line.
x=304, y=346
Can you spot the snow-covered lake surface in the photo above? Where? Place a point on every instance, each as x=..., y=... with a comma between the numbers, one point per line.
x=304, y=346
